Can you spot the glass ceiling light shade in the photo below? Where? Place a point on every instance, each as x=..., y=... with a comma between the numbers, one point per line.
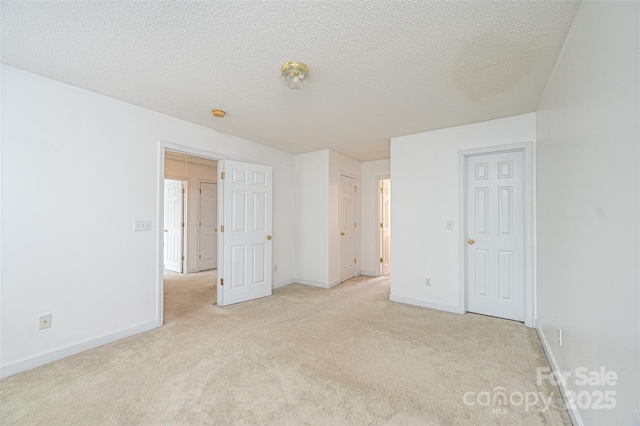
x=295, y=75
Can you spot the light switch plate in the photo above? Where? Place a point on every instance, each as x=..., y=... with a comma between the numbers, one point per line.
x=141, y=225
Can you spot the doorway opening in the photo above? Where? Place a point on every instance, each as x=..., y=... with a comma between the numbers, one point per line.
x=384, y=227
x=190, y=232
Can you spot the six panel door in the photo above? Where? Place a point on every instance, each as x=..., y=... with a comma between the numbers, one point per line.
x=494, y=201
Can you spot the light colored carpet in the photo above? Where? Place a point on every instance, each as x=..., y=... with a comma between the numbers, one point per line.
x=302, y=356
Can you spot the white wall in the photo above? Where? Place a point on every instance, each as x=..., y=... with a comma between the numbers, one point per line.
x=312, y=223
x=589, y=205
x=317, y=216
x=77, y=169
x=369, y=236
x=425, y=184
x=340, y=164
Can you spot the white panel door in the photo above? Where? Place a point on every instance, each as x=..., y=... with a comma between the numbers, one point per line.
x=495, y=234
x=173, y=224
x=385, y=226
x=208, y=256
x=347, y=228
x=247, y=195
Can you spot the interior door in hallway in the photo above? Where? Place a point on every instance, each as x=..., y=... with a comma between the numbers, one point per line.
x=173, y=225
x=494, y=198
x=347, y=228
x=208, y=255
x=384, y=209
x=246, y=236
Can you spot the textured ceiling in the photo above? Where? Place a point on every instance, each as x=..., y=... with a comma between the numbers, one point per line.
x=379, y=68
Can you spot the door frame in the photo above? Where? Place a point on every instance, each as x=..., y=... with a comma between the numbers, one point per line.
x=168, y=146
x=527, y=149
x=379, y=179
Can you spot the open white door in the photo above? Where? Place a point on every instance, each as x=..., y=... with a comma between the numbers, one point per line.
x=245, y=232
x=208, y=226
x=347, y=228
x=173, y=224
x=385, y=226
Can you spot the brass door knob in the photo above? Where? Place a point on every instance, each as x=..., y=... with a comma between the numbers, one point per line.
x=342, y=234
x=268, y=237
x=470, y=241
x=166, y=230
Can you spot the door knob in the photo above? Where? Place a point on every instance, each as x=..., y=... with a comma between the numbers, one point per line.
x=342, y=234
x=166, y=230
x=470, y=241
x=268, y=237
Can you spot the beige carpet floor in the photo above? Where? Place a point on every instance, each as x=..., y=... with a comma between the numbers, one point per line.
x=304, y=356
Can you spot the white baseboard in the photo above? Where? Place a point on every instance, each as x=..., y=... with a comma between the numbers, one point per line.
x=334, y=283
x=370, y=273
x=437, y=306
x=37, y=361
x=573, y=411
x=282, y=283
x=311, y=283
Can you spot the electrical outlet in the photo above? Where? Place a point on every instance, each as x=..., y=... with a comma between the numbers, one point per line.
x=45, y=321
x=427, y=282
x=275, y=268
x=559, y=336
x=449, y=224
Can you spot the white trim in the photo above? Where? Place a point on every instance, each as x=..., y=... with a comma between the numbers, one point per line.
x=369, y=273
x=437, y=306
x=38, y=360
x=282, y=284
x=564, y=390
x=318, y=284
x=529, y=255
x=312, y=283
x=162, y=147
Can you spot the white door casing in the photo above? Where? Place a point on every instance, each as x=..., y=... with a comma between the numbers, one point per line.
x=384, y=209
x=246, y=236
x=173, y=225
x=208, y=230
x=495, y=231
x=347, y=227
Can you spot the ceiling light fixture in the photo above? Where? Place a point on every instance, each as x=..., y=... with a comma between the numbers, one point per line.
x=295, y=75
x=218, y=113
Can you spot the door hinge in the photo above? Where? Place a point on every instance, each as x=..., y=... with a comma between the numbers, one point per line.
x=182, y=224
x=201, y=191
x=355, y=225
x=355, y=260
x=222, y=228
x=222, y=175
x=381, y=190
x=381, y=226
x=355, y=189
x=199, y=256
x=200, y=223
x=183, y=190
x=181, y=257
x=381, y=260
x=221, y=281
